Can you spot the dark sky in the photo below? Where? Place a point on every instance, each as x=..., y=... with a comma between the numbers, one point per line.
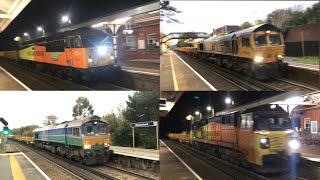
x=189, y=102
x=48, y=13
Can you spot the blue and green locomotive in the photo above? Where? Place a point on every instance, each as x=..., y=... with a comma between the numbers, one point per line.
x=85, y=140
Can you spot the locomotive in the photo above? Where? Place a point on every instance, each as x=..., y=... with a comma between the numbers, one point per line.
x=259, y=137
x=84, y=140
x=84, y=54
x=257, y=51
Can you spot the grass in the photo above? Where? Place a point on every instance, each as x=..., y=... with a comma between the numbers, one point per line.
x=309, y=59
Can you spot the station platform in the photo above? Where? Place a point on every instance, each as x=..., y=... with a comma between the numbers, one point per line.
x=312, y=66
x=15, y=165
x=177, y=75
x=150, y=154
x=9, y=82
x=172, y=167
x=141, y=66
x=311, y=152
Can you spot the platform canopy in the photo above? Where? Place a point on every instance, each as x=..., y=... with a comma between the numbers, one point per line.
x=9, y=10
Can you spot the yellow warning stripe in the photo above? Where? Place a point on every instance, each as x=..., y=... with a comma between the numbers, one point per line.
x=16, y=169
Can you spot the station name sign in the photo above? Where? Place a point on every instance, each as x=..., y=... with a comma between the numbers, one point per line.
x=144, y=124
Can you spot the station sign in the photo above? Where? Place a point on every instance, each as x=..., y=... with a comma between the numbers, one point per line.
x=144, y=124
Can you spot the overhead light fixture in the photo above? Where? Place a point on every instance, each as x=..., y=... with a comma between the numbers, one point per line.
x=121, y=20
x=153, y=12
x=97, y=25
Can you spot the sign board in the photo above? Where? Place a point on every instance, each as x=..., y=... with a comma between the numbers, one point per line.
x=144, y=124
x=314, y=127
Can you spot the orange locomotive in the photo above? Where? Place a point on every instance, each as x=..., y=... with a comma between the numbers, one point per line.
x=82, y=55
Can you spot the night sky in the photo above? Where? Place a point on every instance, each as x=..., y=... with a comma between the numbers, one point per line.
x=189, y=102
x=48, y=13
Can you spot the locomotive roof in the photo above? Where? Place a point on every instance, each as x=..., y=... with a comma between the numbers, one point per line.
x=246, y=32
x=68, y=124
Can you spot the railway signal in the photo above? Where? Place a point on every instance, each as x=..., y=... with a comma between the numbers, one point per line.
x=5, y=131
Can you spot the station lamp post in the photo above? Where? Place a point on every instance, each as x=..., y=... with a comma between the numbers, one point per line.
x=27, y=35
x=65, y=19
x=41, y=30
x=198, y=113
x=210, y=111
x=228, y=101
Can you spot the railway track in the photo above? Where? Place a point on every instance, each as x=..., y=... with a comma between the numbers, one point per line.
x=244, y=82
x=229, y=170
x=77, y=168
x=130, y=172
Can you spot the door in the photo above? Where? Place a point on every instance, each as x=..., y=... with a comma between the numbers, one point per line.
x=68, y=50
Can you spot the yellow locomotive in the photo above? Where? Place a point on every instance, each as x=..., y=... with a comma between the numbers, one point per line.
x=257, y=137
x=257, y=51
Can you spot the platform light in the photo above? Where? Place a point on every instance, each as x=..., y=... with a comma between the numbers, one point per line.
x=153, y=12
x=228, y=100
x=17, y=39
x=40, y=28
x=97, y=25
x=268, y=31
x=25, y=34
x=65, y=19
x=197, y=113
x=273, y=106
x=209, y=108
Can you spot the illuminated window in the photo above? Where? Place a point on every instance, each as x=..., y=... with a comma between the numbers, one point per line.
x=152, y=41
x=131, y=43
x=307, y=123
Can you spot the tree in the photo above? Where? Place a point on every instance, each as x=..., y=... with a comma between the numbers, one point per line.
x=143, y=106
x=82, y=108
x=24, y=131
x=167, y=12
x=259, y=21
x=280, y=18
x=50, y=120
x=245, y=25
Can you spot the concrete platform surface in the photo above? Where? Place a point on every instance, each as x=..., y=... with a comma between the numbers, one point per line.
x=310, y=152
x=172, y=167
x=9, y=82
x=150, y=154
x=142, y=66
x=313, y=66
x=177, y=75
x=17, y=166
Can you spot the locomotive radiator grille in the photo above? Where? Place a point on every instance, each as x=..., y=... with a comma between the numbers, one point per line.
x=276, y=144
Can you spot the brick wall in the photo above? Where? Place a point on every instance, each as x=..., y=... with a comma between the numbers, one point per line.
x=140, y=34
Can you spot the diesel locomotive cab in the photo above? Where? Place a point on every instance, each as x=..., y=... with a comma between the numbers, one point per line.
x=266, y=45
x=275, y=141
x=96, y=141
x=99, y=49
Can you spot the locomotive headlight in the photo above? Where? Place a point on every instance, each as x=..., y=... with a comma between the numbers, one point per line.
x=258, y=59
x=279, y=56
x=90, y=60
x=106, y=144
x=264, y=143
x=102, y=50
x=87, y=146
x=294, y=144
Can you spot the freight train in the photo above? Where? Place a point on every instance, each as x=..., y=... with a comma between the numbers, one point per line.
x=257, y=51
x=85, y=140
x=259, y=137
x=84, y=54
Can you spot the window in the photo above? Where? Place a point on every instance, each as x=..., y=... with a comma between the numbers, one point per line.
x=131, y=43
x=245, y=42
x=274, y=39
x=246, y=121
x=307, y=123
x=260, y=40
x=75, y=131
x=152, y=41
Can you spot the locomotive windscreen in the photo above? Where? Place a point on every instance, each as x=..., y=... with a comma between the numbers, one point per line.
x=93, y=128
x=272, y=121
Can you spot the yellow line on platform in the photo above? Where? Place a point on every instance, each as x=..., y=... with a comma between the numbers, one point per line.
x=175, y=84
x=7, y=154
x=16, y=169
